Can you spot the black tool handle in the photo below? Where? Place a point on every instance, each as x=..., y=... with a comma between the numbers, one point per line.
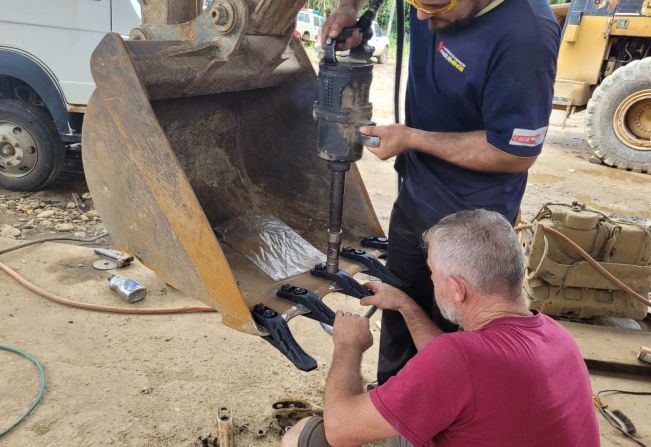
x=281, y=337
x=364, y=25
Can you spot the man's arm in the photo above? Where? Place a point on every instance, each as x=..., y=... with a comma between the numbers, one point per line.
x=470, y=150
x=350, y=417
x=421, y=328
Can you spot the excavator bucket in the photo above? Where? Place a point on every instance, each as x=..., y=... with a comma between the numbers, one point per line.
x=201, y=117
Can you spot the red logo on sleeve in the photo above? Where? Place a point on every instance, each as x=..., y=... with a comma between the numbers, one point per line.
x=527, y=137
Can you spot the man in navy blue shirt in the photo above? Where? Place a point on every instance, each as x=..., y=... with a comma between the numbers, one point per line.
x=479, y=95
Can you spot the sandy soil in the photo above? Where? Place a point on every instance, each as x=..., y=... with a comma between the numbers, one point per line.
x=159, y=380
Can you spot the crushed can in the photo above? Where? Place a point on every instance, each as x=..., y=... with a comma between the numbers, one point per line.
x=129, y=290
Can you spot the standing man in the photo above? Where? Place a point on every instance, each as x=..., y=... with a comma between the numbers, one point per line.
x=479, y=96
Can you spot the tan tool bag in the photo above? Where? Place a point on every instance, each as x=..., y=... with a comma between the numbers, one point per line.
x=560, y=282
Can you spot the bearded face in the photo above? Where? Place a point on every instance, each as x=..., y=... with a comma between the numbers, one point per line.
x=460, y=17
x=449, y=309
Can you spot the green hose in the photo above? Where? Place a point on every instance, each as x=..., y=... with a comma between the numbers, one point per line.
x=41, y=390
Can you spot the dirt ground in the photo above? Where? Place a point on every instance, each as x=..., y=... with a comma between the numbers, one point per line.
x=159, y=380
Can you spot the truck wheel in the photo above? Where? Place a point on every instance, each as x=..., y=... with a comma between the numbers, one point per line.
x=618, y=118
x=384, y=57
x=31, y=153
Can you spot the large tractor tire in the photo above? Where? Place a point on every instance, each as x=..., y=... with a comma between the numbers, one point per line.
x=618, y=118
x=31, y=152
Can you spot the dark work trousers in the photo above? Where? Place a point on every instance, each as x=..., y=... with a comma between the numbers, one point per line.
x=407, y=258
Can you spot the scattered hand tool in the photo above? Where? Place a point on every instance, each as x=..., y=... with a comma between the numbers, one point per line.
x=289, y=411
x=105, y=264
x=129, y=290
x=120, y=259
x=645, y=354
x=225, y=428
x=373, y=266
x=319, y=311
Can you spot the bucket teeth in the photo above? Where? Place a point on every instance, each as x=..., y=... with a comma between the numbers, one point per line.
x=319, y=311
x=379, y=242
x=281, y=337
x=373, y=266
x=344, y=281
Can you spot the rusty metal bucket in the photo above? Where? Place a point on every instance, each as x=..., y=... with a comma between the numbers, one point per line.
x=195, y=123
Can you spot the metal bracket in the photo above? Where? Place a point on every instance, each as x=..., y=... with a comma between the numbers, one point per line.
x=281, y=337
x=374, y=266
x=347, y=283
x=319, y=311
x=292, y=410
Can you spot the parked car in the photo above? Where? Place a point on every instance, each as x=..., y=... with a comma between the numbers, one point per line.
x=308, y=24
x=379, y=41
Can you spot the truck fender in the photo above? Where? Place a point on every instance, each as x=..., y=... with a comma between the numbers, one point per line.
x=28, y=69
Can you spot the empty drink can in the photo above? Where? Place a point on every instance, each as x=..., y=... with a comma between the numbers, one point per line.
x=131, y=291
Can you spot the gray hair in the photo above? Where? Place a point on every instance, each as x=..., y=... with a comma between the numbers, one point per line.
x=481, y=247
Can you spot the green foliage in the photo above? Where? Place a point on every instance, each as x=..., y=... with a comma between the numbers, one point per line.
x=393, y=45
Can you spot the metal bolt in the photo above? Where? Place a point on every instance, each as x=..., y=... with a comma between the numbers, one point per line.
x=7, y=149
x=224, y=15
x=220, y=15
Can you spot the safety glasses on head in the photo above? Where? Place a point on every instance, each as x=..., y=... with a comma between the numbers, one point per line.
x=430, y=9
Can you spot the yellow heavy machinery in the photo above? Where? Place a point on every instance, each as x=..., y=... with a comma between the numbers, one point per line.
x=604, y=66
x=204, y=118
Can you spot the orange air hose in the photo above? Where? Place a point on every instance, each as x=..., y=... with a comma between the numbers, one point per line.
x=191, y=309
x=97, y=307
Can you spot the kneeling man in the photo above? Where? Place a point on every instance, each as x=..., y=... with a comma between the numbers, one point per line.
x=512, y=377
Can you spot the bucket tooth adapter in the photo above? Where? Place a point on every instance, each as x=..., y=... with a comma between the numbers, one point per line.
x=202, y=116
x=373, y=266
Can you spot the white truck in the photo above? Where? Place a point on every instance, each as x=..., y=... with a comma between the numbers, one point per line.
x=45, y=81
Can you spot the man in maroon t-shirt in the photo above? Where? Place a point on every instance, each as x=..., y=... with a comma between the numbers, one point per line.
x=511, y=378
